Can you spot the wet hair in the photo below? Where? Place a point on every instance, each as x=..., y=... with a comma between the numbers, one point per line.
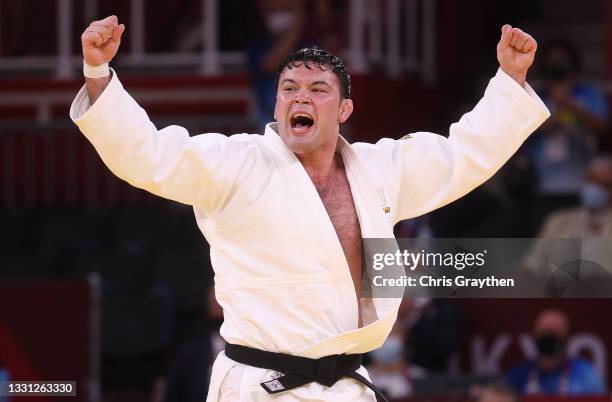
x=321, y=59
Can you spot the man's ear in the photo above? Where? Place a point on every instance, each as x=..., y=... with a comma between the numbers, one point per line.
x=346, y=109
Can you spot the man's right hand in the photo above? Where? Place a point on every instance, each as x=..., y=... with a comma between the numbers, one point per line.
x=101, y=40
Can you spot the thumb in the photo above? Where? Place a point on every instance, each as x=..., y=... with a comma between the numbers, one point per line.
x=506, y=36
x=118, y=32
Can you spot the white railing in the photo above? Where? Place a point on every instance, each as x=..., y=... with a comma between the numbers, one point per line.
x=398, y=35
x=65, y=64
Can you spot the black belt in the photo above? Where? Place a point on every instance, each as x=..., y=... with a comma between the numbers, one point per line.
x=296, y=371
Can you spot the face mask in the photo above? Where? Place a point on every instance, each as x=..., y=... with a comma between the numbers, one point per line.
x=558, y=71
x=279, y=22
x=390, y=352
x=550, y=346
x=593, y=196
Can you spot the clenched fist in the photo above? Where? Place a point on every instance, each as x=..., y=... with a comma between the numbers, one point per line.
x=101, y=40
x=515, y=52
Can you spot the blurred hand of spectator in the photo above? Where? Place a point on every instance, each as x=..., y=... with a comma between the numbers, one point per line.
x=560, y=93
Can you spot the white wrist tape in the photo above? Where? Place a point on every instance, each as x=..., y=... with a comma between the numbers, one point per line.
x=100, y=71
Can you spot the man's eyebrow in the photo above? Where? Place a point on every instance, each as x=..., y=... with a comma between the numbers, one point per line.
x=320, y=82
x=288, y=80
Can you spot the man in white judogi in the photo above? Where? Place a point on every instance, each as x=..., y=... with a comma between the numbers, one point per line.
x=285, y=212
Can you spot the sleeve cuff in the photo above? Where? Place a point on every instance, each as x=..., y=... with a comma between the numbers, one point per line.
x=81, y=109
x=526, y=96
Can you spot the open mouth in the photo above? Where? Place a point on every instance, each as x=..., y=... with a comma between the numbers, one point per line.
x=301, y=122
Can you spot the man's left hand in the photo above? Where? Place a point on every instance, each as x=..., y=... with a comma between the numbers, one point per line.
x=515, y=52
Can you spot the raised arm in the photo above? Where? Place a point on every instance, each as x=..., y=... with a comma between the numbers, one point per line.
x=201, y=170
x=427, y=171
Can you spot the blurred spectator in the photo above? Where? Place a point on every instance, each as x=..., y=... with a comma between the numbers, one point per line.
x=515, y=214
x=323, y=26
x=578, y=115
x=497, y=392
x=465, y=215
x=389, y=370
x=276, y=28
x=273, y=35
x=591, y=222
x=436, y=336
x=4, y=376
x=593, y=218
x=190, y=373
x=553, y=372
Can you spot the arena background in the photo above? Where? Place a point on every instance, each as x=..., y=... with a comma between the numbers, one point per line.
x=106, y=285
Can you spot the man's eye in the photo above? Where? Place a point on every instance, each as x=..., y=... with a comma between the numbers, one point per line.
x=317, y=90
x=288, y=89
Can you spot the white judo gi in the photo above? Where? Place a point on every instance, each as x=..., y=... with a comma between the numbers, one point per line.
x=280, y=272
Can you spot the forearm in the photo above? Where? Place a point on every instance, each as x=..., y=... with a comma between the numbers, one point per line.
x=520, y=78
x=95, y=87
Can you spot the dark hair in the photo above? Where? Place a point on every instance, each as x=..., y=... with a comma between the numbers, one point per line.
x=322, y=59
x=566, y=46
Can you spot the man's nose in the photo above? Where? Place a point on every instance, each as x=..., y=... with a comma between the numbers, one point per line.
x=301, y=99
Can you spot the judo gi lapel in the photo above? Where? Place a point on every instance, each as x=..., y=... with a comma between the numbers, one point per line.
x=308, y=194
x=372, y=221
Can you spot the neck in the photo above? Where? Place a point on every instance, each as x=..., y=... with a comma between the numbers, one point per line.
x=321, y=169
x=321, y=164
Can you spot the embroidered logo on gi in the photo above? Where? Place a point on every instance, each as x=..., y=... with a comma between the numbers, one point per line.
x=274, y=385
x=407, y=136
x=381, y=194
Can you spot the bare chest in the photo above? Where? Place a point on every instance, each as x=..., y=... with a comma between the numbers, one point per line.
x=338, y=201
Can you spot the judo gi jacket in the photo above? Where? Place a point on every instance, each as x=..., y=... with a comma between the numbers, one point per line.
x=280, y=272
